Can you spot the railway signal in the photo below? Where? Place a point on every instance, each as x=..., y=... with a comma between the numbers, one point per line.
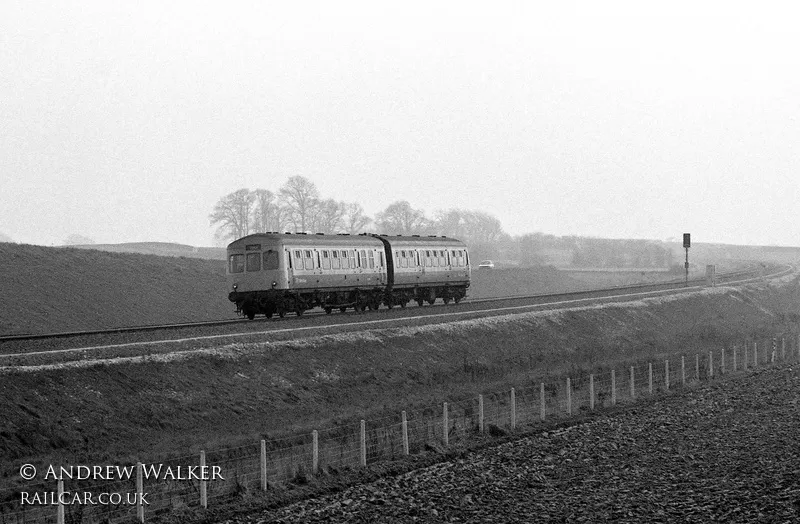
x=687, y=243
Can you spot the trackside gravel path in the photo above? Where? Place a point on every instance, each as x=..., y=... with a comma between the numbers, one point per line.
x=725, y=452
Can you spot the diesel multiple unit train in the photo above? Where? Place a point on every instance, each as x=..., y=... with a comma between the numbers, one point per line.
x=273, y=273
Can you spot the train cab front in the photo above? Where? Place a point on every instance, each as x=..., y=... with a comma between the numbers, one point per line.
x=256, y=279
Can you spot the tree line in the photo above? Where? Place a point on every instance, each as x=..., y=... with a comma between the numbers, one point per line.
x=298, y=207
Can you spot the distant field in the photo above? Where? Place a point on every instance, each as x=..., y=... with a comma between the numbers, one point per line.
x=48, y=289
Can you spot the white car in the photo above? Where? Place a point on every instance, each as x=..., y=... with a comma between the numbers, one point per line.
x=486, y=264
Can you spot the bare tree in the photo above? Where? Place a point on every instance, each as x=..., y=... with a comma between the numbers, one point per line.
x=329, y=217
x=267, y=213
x=232, y=214
x=401, y=219
x=301, y=198
x=355, y=221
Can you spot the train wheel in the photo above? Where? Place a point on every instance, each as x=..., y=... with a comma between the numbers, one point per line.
x=458, y=299
x=343, y=309
x=269, y=315
x=374, y=305
x=281, y=313
x=390, y=305
x=403, y=305
x=250, y=313
x=446, y=300
x=299, y=312
x=328, y=310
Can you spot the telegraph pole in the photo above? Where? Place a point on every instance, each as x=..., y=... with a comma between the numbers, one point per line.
x=687, y=243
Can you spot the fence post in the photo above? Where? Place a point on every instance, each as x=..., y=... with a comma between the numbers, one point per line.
x=722, y=363
x=513, y=409
x=591, y=392
x=314, y=452
x=363, y=442
x=404, y=425
x=734, y=359
x=481, y=427
x=613, y=387
x=650, y=377
x=683, y=371
x=263, y=465
x=783, y=348
x=139, y=492
x=445, y=428
x=697, y=367
x=633, y=386
x=744, y=360
x=569, y=397
x=666, y=375
x=755, y=354
x=774, y=348
x=542, y=405
x=710, y=364
x=60, y=510
x=203, y=485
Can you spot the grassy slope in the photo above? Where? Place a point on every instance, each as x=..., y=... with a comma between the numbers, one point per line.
x=45, y=290
x=56, y=289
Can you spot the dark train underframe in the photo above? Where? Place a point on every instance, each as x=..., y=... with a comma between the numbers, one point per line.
x=279, y=302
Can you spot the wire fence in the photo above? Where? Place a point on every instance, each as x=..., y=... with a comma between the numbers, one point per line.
x=198, y=481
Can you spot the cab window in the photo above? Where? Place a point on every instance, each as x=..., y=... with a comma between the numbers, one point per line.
x=253, y=262
x=270, y=260
x=236, y=263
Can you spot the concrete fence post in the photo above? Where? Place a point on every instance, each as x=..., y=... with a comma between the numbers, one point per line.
x=314, y=452
x=481, y=424
x=666, y=375
x=710, y=364
x=513, y=409
x=697, y=367
x=722, y=363
x=633, y=385
x=263, y=465
x=363, y=442
x=542, y=405
x=60, y=510
x=683, y=371
x=404, y=426
x=569, y=397
x=203, y=483
x=445, y=426
x=139, y=492
x=613, y=387
x=591, y=392
x=650, y=377
x=774, y=348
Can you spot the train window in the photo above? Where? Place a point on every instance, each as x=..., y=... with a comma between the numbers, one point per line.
x=252, y=247
x=253, y=262
x=270, y=260
x=326, y=259
x=297, y=254
x=362, y=258
x=309, y=260
x=335, y=259
x=352, y=254
x=380, y=260
x=236, y=264
x=371, y=259
x=434, y=262
x=345, y=260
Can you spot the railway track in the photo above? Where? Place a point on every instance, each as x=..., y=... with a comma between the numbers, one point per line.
x=135, y=341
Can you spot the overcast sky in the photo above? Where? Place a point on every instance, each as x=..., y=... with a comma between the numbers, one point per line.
x=127, y=121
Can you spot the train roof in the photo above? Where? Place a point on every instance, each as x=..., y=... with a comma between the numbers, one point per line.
x=309, y=239
x=304, y=239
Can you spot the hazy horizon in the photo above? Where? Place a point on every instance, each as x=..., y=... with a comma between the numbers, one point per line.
x=127, y=122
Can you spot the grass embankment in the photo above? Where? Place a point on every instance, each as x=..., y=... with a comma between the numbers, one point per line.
x=47, y=290
x=157, y=406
